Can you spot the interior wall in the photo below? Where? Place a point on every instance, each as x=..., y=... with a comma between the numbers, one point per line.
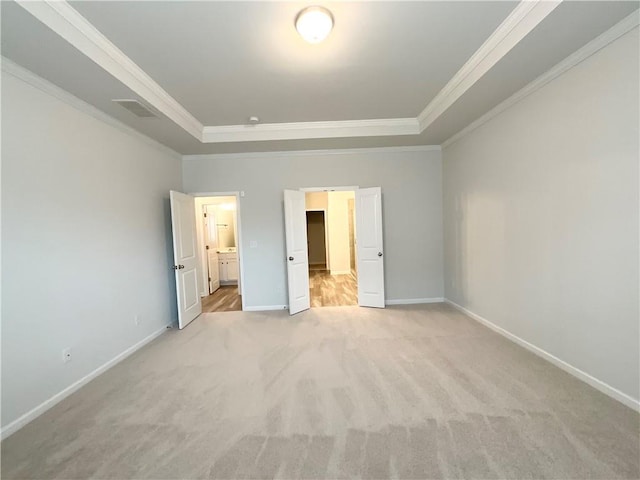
x=316, y=200
x=411, y=182
x=86, y=244
x=541, y=217
x=339, y=251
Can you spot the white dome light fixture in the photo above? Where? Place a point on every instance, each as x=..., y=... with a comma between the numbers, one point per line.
x=314, y=23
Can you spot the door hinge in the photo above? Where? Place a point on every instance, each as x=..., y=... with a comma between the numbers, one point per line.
x=209, y=278
x=207, y=247
x=205, y=215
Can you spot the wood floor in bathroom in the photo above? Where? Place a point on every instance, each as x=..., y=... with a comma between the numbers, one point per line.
x=225, y=299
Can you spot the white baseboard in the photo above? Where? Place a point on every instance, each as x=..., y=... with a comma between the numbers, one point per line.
x=576, y=372
x=412, y=301
x=265, y=308
x=58, y=397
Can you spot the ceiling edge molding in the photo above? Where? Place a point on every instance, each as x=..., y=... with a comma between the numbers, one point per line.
x=307, y=130
x=520, y=22
x=307, y=153
x=618, y=30
x=11, y=68
x=67, y=22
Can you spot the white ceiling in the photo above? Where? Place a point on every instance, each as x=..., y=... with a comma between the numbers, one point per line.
x=225, y=61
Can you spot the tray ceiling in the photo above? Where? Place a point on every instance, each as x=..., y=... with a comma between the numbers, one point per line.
x=217, y=63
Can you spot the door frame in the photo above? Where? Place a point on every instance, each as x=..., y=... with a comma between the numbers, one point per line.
x=342, y=188
x=347, y=188
x=238, y=195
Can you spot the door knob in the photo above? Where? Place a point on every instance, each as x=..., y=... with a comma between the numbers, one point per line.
x=291, y=259
x=180, y=267
x=379, y=254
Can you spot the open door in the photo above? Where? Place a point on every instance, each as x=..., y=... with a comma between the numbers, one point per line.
x=185, y=258
x=211, y=247
x=369, y=247
x=295, y=220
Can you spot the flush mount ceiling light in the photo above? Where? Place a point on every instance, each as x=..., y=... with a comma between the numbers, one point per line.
x=314, y=23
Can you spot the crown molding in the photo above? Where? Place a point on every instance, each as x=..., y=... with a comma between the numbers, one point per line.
x=306, y=130
x=618, y=30
x=11, y=68
x=64, y=20
x=311, y=153
x=524, y=18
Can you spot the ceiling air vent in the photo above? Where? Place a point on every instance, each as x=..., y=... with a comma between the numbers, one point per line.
x=137, y=108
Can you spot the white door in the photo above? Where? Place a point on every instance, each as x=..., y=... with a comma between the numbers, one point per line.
x=185, y=258
x=211, y=242
x=214, y=270
x=295, y=220
x=369, y=247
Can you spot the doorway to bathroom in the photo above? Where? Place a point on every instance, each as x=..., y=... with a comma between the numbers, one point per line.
x=220, y=282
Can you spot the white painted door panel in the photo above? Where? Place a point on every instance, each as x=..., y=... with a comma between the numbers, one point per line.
x=183, y=223
x=214, y=270
x=211, y=241
x=369, y=247
x=295, y=219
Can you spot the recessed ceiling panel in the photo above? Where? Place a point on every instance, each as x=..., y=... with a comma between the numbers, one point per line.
x=226, y=61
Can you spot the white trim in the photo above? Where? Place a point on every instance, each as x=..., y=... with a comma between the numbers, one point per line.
x=296, y=153
x=266, y=308
x=214, y=194
x=58, y=397
x=305, y=130
x=64, y=20
x=413, y=301
x=576, y=372
x=615, y=32
x=524, y=18
x=11, y=68
x=347, y=188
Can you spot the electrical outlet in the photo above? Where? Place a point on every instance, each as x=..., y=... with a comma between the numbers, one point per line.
x=136, y=319
x=66, y=355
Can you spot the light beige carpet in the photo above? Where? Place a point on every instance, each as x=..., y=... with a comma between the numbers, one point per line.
x=337, y=392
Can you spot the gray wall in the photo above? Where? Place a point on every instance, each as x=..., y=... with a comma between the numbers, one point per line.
x=412, y=209
x=541, y=217
x=84, y=244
